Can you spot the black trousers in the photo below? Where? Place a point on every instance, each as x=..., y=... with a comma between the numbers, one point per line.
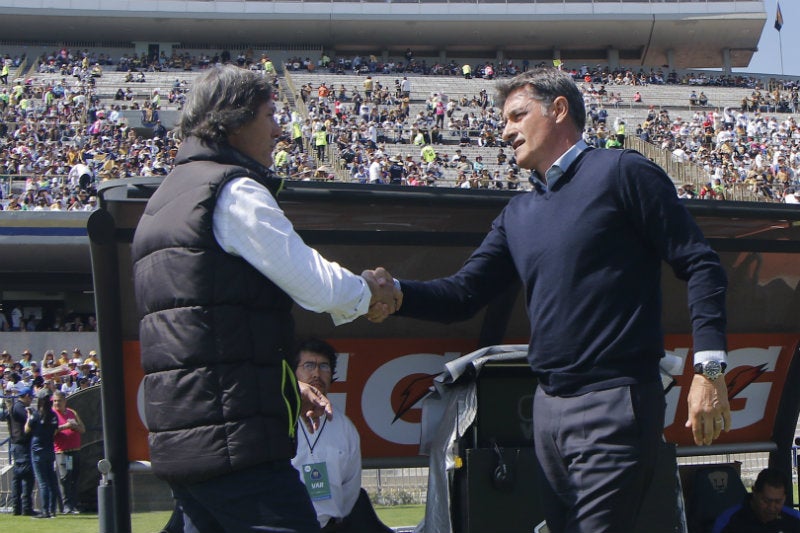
x=597, y=453
x=268, y=498
x=22, y=484
x=362, y=519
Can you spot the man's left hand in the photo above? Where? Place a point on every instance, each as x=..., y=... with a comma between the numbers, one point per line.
x=313, y=404
x=709, y=412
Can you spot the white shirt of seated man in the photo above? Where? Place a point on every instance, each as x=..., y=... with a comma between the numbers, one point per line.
x=328, y=460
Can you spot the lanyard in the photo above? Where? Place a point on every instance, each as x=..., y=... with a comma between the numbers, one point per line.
x=319, y=434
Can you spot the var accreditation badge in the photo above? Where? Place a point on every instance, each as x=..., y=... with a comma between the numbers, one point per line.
x=315, y=476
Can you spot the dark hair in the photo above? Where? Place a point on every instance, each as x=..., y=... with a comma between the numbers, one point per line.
x=222, y=100
x=772, y=477
x=546, y=84
x=44, y=404
x=316, y=346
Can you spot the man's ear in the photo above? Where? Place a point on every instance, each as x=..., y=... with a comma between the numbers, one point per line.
x=560, y=108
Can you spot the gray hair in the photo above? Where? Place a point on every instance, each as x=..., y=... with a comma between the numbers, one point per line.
x=546, y=84
x=222, y=100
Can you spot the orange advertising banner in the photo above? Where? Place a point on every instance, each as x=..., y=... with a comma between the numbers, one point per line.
x=756, y=376
x=380, y=384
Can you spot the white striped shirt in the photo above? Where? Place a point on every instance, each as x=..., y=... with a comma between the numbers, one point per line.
x=249, y=223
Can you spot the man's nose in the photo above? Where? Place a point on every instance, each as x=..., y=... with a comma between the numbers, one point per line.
x=506, y=135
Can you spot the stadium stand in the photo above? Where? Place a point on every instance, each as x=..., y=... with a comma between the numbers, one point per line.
x=95, y=113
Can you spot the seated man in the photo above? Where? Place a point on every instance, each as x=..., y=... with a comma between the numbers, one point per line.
x=329, y=460
x=763, y=510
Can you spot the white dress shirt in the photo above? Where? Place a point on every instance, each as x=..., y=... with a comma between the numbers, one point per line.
x=337, y=444
x=248, y=223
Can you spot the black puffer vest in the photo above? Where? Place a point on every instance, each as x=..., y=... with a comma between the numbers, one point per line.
x=215, y=333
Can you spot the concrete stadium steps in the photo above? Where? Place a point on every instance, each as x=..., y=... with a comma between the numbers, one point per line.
x=660, y=96
x=423, y=86
x=450, y=174
x=107, y=85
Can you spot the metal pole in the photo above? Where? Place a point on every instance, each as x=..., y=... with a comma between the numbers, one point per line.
x=101, y=228
x=105, y=499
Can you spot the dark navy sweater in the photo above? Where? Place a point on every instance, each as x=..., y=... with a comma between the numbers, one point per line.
x=589, y=254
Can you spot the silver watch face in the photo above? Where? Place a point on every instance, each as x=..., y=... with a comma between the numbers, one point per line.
x=712, y=370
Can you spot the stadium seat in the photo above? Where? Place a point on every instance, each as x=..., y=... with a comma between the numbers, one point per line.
x=715, y=488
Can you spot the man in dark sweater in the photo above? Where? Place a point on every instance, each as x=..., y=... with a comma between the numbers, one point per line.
x=588, y=243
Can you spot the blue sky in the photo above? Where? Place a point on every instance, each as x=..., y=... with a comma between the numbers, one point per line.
x=768, y=58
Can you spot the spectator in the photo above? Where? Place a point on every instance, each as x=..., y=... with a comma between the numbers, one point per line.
x=333, y=453
x=67, y=444
x=16, y=318
x=92, y=360
x=49, y=359
x=69, y=383
x=42, y=425
x=22, y=484
x=26, y=359
x=376, y=170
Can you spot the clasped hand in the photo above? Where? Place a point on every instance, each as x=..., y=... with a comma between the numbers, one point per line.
x=386, y=299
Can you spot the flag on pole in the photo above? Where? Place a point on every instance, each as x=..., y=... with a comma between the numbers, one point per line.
x=778, y=18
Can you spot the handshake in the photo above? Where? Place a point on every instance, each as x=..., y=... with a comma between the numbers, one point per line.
x=386, y=299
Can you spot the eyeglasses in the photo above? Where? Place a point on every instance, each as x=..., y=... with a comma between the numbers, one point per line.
x=310, y=366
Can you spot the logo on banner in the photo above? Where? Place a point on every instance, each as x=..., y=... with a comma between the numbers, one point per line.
x=381, y=386
x=755, y=378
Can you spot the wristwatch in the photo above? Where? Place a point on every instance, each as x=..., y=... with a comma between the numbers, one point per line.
x=710, y=369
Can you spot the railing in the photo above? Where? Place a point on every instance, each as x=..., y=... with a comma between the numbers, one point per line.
x=33, y=70
x=331, y=153
x=688, y=172
x=7, y=406
x=19, y=71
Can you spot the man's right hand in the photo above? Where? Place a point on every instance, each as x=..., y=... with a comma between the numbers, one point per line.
x=386, y=299
x=313, y=405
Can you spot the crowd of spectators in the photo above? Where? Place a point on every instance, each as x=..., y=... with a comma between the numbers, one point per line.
x=598, y=74
x=372, y=64
x=65, y=139
x=735, y=148
x=368, y=125
x=66, y=372
x=81, y=62
x=50, y=320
